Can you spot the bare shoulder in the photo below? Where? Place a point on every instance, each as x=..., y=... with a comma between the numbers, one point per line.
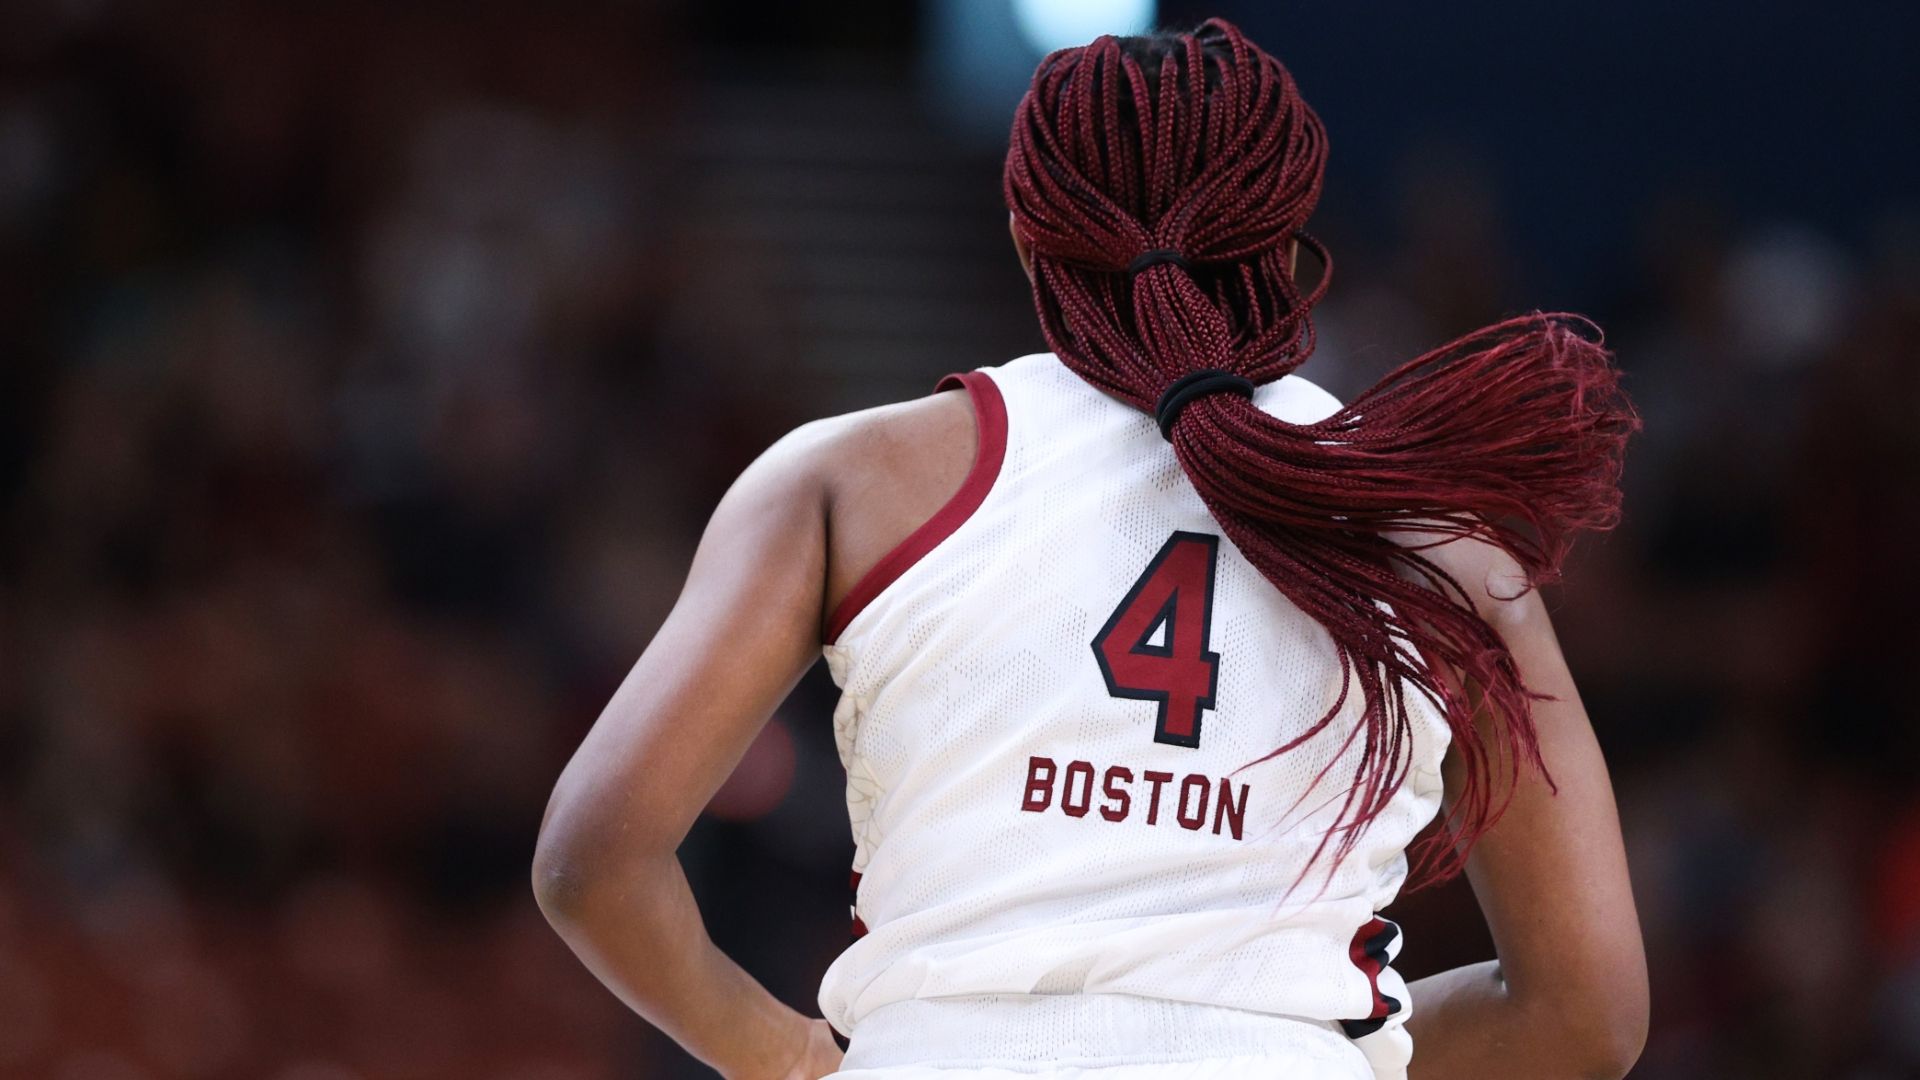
x=882, y=472
x=839, y=455
x=887, y=438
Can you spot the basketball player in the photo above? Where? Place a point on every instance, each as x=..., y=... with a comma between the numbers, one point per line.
x=1155, y=660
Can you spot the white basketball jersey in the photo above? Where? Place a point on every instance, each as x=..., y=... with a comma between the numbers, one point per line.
x=1052, y=692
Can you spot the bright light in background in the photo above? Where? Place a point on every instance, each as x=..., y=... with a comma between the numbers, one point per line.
x=977, y=56
x=1057, y=24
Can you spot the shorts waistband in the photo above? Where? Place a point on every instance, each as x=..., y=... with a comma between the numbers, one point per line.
x=1027, y=1031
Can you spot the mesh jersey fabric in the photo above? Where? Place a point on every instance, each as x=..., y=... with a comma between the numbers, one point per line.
x=1023, y=826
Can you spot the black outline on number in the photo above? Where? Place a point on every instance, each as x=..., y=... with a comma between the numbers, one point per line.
x=1166, y=615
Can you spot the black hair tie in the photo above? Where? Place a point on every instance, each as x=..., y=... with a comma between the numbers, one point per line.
x=1166, y=412
x=1154, y=258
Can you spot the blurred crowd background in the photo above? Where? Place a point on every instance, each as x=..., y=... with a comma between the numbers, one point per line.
x=367, y=371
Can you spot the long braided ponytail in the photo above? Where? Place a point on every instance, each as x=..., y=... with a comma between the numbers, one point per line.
x=1160, y=183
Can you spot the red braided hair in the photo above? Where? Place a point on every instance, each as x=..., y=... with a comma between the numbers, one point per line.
x=1199, y=146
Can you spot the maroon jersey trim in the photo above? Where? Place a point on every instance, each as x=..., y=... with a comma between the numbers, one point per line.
x=990, y=421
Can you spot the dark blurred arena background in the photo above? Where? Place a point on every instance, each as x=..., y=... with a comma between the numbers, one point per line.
x=368, y=369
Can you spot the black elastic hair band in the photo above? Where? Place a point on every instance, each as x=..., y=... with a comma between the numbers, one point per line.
x=1192, y=385
x=1155, y=257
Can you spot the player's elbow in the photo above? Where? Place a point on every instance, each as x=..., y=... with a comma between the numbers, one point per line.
x=1624, y=1037
x=560, y=884
x=575, y=870
x=563, y=877
x=1613, y=1054
x=1602, y=1037
x=596, y=852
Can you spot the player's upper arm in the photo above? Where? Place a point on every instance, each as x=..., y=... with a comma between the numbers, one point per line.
x=745, y=628
x=1551, y=876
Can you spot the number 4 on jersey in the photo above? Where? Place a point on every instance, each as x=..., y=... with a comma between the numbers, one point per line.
x=1154, y=646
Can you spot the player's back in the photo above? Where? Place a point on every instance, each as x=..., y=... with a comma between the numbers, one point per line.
x=1052, y=694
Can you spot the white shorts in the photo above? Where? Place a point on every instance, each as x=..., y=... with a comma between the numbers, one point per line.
x=1093, y=1037
x=1226, y=1068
